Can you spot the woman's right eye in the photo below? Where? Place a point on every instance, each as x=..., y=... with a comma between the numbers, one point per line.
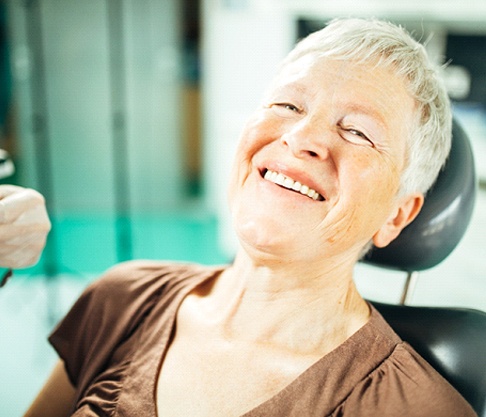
x=287, y=106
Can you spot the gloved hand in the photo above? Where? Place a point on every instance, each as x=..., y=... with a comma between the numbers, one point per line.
x=24, y=225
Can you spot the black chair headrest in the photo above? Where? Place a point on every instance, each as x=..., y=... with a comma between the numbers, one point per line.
x=444, y=217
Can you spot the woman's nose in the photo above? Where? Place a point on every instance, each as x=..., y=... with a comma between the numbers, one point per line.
x=306, y=140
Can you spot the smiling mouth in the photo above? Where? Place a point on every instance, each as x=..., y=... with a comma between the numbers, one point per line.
x=291, y=184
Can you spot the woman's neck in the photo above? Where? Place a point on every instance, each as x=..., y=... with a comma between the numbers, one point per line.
x=289, y=305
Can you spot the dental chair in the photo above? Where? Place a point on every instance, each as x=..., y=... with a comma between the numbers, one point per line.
x=452, y=340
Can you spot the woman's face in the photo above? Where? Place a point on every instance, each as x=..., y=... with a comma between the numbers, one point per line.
x=318, y=166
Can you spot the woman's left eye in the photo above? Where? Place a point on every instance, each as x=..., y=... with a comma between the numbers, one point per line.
x=357, y=133
x=356, y=136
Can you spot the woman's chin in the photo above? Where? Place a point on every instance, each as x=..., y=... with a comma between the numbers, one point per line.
x=266, y=244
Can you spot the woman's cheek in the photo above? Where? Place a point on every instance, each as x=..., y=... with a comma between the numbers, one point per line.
x=258, y=132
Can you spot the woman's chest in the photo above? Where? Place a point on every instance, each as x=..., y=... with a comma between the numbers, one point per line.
x=210, y=377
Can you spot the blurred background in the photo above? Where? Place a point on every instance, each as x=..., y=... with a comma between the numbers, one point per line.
x=125, y=114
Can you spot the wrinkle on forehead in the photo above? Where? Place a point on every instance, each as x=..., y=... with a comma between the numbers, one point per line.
x=294, y=78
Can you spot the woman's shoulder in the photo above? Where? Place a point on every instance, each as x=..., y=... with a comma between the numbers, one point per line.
x=404, y=384
x=114, y=306
x=125, y=293
x=414, y=385
x=144, y=278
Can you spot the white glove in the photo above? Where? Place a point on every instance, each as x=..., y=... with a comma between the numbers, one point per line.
x=24, y=226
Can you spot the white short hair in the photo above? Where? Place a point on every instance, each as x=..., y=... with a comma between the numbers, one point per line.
x=386, y=44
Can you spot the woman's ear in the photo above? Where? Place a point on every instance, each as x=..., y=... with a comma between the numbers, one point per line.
x=407, y=209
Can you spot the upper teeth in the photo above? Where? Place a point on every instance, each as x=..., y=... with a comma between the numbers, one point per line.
x=289, y=183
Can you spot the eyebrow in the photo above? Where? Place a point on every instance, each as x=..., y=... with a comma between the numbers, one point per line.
x=366, y=111
x=295, y=86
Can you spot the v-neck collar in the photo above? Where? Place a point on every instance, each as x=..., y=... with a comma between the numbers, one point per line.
x=327, y=382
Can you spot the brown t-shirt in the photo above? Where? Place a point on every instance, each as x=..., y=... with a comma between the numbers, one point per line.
x=115, y=336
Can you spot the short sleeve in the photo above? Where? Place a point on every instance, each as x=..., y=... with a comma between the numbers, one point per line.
x=411, y=387
x=105, y=314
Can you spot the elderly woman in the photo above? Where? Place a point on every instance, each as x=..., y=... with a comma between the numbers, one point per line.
x=350, y=135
